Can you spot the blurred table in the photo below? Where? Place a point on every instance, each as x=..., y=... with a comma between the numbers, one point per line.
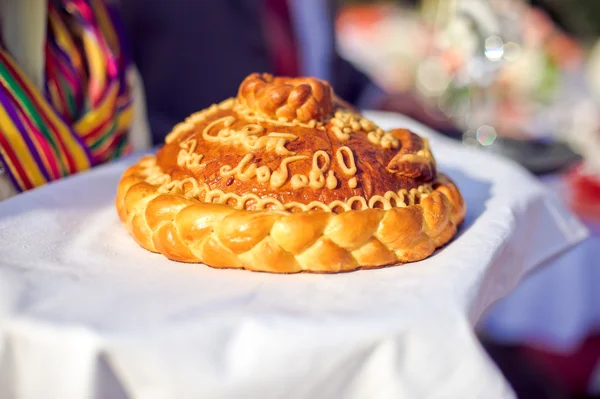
x=558, y=306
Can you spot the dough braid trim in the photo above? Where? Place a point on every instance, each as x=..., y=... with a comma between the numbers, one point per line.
x=187, y=230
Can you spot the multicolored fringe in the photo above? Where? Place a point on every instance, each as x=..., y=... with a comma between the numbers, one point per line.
x=85, y=112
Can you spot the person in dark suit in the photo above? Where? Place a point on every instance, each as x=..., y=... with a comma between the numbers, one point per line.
x=193, y=53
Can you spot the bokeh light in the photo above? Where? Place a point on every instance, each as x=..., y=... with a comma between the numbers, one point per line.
x=494, y=48
x=486, y=135
x=512, y=51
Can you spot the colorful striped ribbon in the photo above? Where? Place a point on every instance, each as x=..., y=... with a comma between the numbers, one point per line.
x=83, y=115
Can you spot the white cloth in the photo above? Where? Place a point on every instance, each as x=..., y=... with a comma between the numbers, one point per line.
x=85, y=312
x=558, y=306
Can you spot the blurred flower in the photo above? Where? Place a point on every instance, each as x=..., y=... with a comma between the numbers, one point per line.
x=498, y=65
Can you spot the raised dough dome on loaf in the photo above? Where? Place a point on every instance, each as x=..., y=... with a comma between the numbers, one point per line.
x=290, y=144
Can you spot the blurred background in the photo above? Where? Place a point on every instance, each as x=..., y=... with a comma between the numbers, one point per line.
x=520, y=79
x=513, y=77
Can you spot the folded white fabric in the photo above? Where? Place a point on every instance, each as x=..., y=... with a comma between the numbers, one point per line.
x=85, y=312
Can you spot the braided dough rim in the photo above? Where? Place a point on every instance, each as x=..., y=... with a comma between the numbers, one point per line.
x=188, y=230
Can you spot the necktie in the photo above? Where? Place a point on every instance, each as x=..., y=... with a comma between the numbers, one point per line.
x=280, y=38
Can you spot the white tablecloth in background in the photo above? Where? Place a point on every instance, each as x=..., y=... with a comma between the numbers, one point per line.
x=85, y=312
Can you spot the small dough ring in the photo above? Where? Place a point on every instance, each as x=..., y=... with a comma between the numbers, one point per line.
x=288, y=99
x=188, y=230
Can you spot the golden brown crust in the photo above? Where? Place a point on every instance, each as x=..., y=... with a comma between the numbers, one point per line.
x=187, y=230
x=302, y=99
x=237, y=150
x=287, y=178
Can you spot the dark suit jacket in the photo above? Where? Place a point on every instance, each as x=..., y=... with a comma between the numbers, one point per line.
x=193, y=53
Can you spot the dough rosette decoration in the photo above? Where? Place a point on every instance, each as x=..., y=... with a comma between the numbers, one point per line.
x=284, y=178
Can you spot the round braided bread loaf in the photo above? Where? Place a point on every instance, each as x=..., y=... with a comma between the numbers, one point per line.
x=286, y=179
x=187, y=230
